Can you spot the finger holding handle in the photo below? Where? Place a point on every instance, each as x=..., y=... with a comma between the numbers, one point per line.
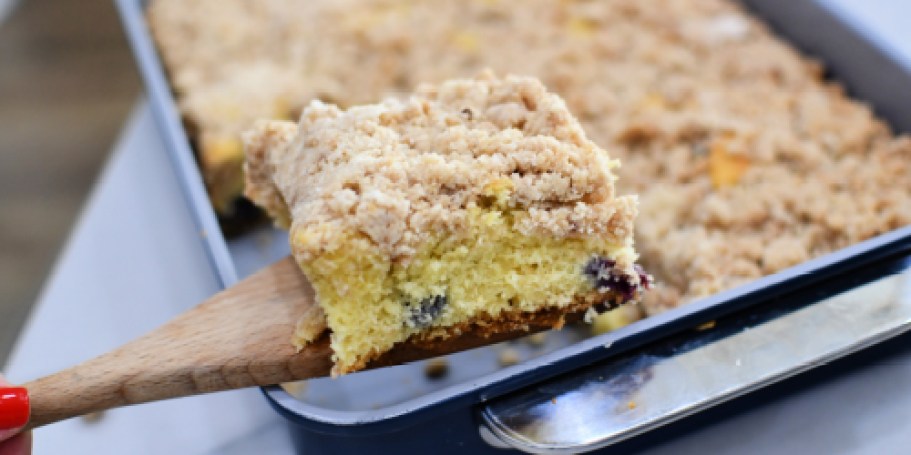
x=14, y=414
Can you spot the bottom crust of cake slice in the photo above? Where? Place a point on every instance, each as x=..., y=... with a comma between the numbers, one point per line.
x=486, y=330
x=481, y=330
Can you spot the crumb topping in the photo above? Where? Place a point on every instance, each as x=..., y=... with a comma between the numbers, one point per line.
x=268, y=137
x=400, y=171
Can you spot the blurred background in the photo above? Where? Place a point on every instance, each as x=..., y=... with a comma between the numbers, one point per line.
x=67, y=85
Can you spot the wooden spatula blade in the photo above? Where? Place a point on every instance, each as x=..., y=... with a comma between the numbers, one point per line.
x=241, y=337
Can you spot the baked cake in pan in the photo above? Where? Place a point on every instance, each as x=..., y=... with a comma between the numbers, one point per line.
x=472, y=205
x=745, y=159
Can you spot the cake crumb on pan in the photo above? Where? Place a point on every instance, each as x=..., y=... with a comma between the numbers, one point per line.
x=508, y=357
x=436, y=368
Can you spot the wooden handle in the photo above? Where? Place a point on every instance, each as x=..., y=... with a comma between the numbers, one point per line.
x=238, y=338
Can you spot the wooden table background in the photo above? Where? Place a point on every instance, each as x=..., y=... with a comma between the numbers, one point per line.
x=67, y=83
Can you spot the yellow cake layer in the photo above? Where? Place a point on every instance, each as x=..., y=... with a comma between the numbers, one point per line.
x=371, y=303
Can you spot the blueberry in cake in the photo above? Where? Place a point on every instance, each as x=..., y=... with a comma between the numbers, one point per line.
x=473, y=205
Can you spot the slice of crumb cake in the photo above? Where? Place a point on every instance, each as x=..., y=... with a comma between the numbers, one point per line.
x=473, y=205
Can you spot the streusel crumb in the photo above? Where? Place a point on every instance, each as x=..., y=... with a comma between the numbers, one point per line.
x=404, y=170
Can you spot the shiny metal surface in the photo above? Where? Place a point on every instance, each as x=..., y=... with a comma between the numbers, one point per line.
x=636, y=392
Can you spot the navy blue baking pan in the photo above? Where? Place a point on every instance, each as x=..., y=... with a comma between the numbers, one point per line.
x=622, y=377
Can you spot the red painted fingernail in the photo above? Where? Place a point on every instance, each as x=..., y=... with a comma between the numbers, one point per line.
x=14, y=407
